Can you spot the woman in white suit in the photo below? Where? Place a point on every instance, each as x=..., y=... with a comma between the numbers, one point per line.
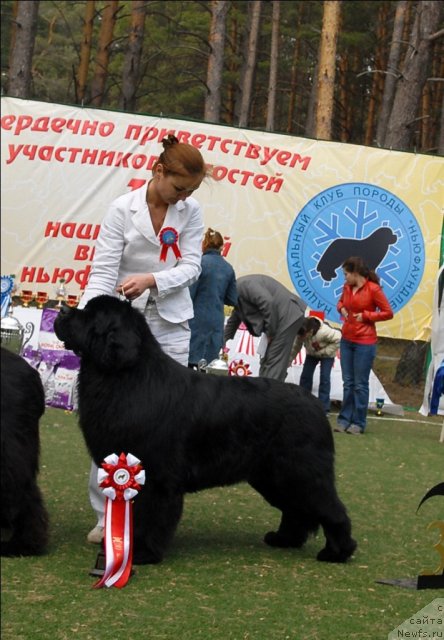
x=149, y=250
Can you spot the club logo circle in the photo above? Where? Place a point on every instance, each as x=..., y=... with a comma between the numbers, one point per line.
x=121, y=477
x=354, y=219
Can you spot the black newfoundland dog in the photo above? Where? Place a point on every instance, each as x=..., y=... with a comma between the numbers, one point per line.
x=193, y=431
x=24, y=520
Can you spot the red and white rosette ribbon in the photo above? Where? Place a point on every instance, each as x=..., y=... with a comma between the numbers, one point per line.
x=120, y=478
x=246, y=342
x=239, y=368
x=168, y=239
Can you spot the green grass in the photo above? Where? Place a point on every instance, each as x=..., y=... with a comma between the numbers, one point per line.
x=219, y=581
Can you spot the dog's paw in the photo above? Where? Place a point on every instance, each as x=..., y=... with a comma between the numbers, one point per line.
x=327, y=554
x=146, y=557
x=276, y=539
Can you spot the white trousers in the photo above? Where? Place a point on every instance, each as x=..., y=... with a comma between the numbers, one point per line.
x=175, y=341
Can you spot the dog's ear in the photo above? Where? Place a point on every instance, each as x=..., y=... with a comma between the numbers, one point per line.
x=121, y=349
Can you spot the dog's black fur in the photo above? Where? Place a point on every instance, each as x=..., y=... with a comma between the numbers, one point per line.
x=24, y=519
x=194, y=431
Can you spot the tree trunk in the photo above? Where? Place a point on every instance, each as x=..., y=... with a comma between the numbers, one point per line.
x=441, y=131
x=375, y=94
x=250, y=64
x=425, y=119
x=102, y=58
x=310, y=123
x=22, y=49
x=293, y=88
x=15, y=5
x=393, y=74
x=294, y=72
x=233, y=38
x=272, y=82
x=219, y=9
x=401, y=127
x=133, y=55
x=85, y=51
x=327, y=68
x=343, y=98
x=436, y=88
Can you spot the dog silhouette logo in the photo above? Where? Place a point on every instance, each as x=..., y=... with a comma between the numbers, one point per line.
x=121, y=477
x=354, y=219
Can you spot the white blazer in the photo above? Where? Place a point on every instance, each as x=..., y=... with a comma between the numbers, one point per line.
x=127, y=245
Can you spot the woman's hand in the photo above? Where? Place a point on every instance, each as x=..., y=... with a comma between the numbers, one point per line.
x=358, y=317
x=344, y=312
x=133, y=286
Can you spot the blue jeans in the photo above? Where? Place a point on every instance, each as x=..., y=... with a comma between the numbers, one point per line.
x=356, y=365
x=306, y=380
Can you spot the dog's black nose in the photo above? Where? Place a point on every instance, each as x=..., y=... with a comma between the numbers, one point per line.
x=64, y=309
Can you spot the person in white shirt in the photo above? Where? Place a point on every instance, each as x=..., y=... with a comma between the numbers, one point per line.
x=321, y=342
x=149, y=250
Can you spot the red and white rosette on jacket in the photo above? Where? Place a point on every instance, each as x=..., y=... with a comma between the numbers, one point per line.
x=121, y=479
x=169, y=237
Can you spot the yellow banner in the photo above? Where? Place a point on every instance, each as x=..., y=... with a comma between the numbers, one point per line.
x=289, y=207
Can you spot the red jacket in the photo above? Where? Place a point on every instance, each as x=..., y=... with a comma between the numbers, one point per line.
x=369, y=300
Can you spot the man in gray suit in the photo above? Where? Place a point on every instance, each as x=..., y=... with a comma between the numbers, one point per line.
x=265, y=306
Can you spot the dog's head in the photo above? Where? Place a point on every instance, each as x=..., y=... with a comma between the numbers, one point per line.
x=107, y=332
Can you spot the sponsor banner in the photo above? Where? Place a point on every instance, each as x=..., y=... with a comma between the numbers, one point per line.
x=290, y=207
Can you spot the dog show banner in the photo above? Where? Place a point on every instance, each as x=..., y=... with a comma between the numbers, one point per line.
x=289, y=207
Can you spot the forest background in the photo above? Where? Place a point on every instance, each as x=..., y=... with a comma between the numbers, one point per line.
x=368, y=73
x=362, y=72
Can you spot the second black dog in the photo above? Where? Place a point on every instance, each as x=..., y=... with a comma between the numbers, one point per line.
x=24, y=519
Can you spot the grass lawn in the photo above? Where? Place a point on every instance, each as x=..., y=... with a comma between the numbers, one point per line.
x=219, y=581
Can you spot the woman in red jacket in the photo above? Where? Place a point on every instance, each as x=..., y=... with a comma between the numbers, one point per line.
x=361, y=304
